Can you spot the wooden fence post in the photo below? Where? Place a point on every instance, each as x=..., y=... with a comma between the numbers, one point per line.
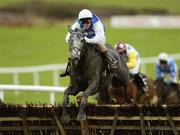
x=114, y=122
x=24, y=125
x=58, y=122
x=84, y=127
x=143, y=131
x=172, y=126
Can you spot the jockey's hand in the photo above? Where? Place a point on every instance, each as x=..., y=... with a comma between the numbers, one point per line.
x=87, y=40
x=169, y=82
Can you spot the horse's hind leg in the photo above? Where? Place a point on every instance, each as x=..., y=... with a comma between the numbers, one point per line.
x=126, y=95
x=69, y=91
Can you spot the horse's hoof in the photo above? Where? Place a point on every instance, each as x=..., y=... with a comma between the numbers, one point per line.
x=81, y=117
x=65, y=118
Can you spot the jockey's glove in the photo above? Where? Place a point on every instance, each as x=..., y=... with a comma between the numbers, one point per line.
x=87, y=40
x=169, y=82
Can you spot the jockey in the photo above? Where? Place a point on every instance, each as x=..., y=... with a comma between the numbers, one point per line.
x=166, y=68
x=132, y=56
x=133, y=61
x=94, y=28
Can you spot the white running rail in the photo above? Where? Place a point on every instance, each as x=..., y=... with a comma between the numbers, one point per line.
x=35, y=70
x=153, y=60
x=55, y=68
x=51, y=89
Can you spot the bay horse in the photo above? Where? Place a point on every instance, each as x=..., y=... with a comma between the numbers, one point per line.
x=88, y=69
x=166, y=94
x=135, y=92
x=139, y=93
x=113, y=92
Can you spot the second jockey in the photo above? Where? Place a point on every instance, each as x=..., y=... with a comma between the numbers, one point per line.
x=133, y=60
x=131, y=55
x=166, y=68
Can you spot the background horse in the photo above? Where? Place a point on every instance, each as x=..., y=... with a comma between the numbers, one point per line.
x=115, y=81
x=112, y=90
x=87, y=71
x=166, y=94
x=135, y=93
x=138, y=92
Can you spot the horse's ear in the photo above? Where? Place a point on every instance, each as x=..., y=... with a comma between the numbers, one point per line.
x=69, y=28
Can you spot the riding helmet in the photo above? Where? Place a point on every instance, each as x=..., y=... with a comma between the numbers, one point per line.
x=120, y=47
x=163, y=57
x=85, y=13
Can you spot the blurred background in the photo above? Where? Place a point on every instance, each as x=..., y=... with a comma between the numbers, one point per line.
x=33, y=50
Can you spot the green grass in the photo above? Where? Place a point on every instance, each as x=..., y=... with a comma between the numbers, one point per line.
x=39, y=45
x=172, y=6
x=32, y=45
x=27, y=46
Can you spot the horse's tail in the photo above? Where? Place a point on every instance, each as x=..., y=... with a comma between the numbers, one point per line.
x=103, y=97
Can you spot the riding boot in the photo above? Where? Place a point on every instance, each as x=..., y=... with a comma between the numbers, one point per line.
x=141, y=81
x=67, y=71
x=144, y=82
x=111, y=61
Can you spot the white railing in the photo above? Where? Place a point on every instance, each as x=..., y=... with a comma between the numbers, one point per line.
x=55, y=68
x=35, y=70
x=152, y=60
x=51, y=89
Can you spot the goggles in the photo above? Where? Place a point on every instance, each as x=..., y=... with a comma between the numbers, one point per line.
x=86, y=21
x=163, y=62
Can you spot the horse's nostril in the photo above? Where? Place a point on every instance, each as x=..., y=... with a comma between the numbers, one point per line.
x=76, y=59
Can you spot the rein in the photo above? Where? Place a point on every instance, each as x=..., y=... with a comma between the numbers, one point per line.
x=76, y=49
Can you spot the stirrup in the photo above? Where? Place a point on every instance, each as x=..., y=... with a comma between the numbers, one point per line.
x=64, y=74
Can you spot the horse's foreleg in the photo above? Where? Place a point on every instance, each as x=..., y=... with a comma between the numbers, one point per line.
x=69, y=91
x=92, y=89
x=65, y=116
x=82, y=114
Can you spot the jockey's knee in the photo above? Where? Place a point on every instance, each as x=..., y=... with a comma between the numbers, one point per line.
x=133, y=74
x=102, y=48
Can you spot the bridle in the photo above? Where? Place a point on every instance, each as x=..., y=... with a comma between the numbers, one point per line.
x=77, y=38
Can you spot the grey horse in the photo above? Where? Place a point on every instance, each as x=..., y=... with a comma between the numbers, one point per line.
x=88, y=69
